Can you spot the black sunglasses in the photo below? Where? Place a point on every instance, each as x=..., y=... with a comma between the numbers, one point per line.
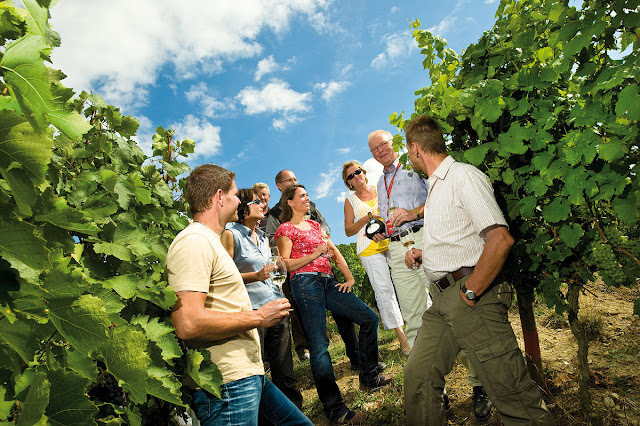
x=256, y=201
x=354, y=174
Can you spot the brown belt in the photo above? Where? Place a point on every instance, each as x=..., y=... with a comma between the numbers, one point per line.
x=444, y=282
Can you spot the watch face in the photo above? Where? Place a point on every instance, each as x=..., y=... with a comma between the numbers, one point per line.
x=470, y=295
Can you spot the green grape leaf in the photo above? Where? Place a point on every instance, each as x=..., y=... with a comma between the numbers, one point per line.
x=19, y=337
x=81, y=364
x=126, y=358
x=22, y=248
x=204, y=372
x=124, y=285
x=69, y=404
x=36, y=402
x=37, y=17
x=63, y=216
x=24, y=157
x=115, y=250
x=162, y=334
x=571, y=234
x=5, y=405
x=629, y=102
x=626, y=209
x=557, y=210
x=25, y=75
x=83, y=322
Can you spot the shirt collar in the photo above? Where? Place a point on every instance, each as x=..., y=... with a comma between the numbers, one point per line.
x=393, y=167
x=443, y=168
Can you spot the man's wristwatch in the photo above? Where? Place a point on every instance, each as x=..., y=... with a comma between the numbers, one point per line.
x=469, y=293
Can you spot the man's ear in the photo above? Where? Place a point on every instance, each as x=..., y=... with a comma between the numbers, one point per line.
x=218, y=197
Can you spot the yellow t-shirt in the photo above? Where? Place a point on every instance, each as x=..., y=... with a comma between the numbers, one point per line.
x=364, y=246
x=197, y=261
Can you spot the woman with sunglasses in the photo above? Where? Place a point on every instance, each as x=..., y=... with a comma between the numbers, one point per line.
x=314, y=290
x=374, y=256
x=249, y=248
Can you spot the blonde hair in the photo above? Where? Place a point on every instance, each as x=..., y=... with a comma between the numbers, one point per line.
x=348, y=164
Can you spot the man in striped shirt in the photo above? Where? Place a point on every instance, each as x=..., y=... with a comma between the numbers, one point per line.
x=466, y=242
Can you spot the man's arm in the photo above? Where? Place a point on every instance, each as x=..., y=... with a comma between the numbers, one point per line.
x=193, y=322
x=494, y=254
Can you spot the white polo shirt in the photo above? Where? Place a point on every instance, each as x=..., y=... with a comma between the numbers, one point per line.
x=460, y=206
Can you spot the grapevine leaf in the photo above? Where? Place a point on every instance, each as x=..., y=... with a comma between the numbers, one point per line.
x=557, y=210
x=21, y=247
x=18, y=336
x=37, y=17
x=115, y=250
x=476, y=154
x=83, y=322
x=162, y=334
x=60, y=214
x=5, y=405
x=126, y=358
x=26, y=76
x=69, y=404
x=61, y=283
x=629, y=102
x=626, y=209
x=204, y=372
x=164, y=385
x=512, y=141
x=124, y=285
x=571, y=234
x=81, y=364
x=24, y=157
x=68, y=122
x=36, y=402
x=612, y=151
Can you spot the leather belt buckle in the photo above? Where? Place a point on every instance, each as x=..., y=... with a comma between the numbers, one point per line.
x=443, y=283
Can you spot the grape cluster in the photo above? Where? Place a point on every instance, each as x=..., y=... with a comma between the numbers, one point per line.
x=107, y=390
x=605, y=260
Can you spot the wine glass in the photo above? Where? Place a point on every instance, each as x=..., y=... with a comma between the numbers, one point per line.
x=393, y=206
x=274, y=251
x=307, y=216
x=408, y=240
x=277, y=272
x=325, y=239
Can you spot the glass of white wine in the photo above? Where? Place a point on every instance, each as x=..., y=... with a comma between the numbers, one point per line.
x=325, y=239
x=277, y=272
x=408, y=240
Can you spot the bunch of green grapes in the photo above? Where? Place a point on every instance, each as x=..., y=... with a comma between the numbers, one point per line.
x=604, y=259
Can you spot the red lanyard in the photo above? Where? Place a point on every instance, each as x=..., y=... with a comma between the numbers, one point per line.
x=388, y=188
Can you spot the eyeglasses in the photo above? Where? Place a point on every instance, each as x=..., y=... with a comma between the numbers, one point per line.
x=354, y=174
x=257, y=201
x=379, y=146
x=294, y=180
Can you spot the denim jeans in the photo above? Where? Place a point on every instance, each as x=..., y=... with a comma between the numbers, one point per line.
x=313, y=295
x=242, y=400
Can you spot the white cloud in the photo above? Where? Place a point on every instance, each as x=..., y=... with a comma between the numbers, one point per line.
x=266, y=66
x=374, y=170
x=343, y=151
x=275, y=97
x=444, y=26
x=322, y=23
x=206, y=135
x=342, y=196
x=331, y=88
x=344, y=72
x=397, y=46
x=144, y=134
x=490, y=1
x=211, y=107
x=324, y=187
x=137, y=39
x=395, y=9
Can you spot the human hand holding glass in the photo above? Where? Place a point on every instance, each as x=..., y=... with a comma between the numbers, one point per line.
x=408, y=240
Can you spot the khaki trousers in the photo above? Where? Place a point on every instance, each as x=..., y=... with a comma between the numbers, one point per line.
x=485, y=334
x=412, y=288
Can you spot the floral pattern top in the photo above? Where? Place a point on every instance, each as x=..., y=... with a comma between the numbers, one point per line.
x=304, y=244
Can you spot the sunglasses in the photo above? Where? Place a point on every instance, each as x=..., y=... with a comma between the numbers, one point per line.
x=354, y=174
x=256, y=201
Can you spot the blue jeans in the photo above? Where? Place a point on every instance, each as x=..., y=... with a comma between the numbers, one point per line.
x=314, y=294
x=242, y=400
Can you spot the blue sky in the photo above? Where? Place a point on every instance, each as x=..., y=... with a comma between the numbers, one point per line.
x=262, y=85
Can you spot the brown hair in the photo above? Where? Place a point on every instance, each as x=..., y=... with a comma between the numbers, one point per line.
x=203, y=183
x=348, y=164
x=288, y=194
x=424, y=131
x=245, y=195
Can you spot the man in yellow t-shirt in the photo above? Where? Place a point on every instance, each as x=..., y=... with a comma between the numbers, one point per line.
x=213, y=309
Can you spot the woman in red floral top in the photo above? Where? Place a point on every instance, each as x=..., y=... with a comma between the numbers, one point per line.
x=314, y=290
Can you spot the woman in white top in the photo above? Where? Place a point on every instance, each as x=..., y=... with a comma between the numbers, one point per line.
x=374, y=256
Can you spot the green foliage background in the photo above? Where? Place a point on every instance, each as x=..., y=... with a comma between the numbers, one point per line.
x=362, y=288
x=85, y=224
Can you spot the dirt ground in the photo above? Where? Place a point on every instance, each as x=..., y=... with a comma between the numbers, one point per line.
x=614, y=354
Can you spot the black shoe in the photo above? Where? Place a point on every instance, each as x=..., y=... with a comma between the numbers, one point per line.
x=447, y=403
x=481, y=405
x=380, y=381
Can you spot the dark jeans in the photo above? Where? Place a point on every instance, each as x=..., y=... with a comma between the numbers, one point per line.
x=276, y=350
x=313, y=295
x=242, y=400
x=346, y=328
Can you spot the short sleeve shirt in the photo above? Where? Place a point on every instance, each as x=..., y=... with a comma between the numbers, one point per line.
x=197, y=261
x=460, y=207
x=304, y=244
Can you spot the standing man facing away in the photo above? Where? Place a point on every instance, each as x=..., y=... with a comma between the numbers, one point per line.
x=466, y=242
x=213, y=309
